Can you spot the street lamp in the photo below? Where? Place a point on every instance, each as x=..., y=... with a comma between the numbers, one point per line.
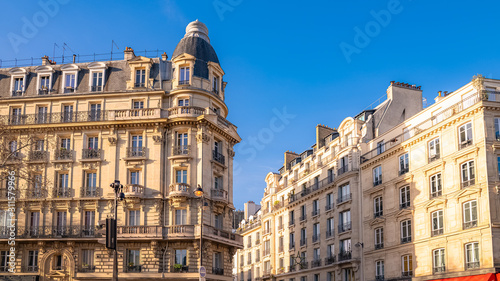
x=198, y=192
x=118, y=189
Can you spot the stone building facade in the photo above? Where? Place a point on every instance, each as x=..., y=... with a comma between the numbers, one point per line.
x=157, y=125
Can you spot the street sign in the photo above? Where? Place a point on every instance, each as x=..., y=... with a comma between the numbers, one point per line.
x=203, y=271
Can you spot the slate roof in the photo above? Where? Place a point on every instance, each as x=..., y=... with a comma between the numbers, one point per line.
x=201, y=50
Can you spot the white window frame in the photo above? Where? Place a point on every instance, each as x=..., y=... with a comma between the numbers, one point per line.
x=436, y=185
x=469, y=205
x=379, y=268
x=406, y=226
x=377, y=175
x=404, y=163
x=17, y=73
x=439, y=258
x=97, y=67
x=469, y=173
x=69, y=70
x=434, y=147
x=437, y=217
x=472, y=248
x=378, y=206
x=468, y=134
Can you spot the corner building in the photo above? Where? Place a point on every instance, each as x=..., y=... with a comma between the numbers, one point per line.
x=157, y=125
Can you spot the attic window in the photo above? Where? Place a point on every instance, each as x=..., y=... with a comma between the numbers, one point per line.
x=184, y=75
x=140, y=78
x=18, y=88
x=215, y=85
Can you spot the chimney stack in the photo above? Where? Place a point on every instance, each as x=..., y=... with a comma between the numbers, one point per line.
x=164, y=56
x=128, y=53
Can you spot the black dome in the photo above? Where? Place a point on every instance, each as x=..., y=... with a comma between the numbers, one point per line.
x=201, y=50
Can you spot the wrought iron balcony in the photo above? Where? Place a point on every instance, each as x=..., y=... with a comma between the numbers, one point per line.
x=89, y=192
x=139, y=85
x=291, y=222
x=41, y=118
x=379, y=246
x=472, y=265
x=330, y=233
x=303, y=217
x=43, y=91
x=345, y=255
x=292, y=268
x=35, y=193
x=439, y=269
x=470, y=224
x=303, y=265
x=342, y=170
x=436, y=232
x=407, y=273
x=303, y=241
x=183, y=82
x=466, y=143
x=379, y=278
x=136, y=152
x=68, y=90
x=16, y=119
x=315, y=263
x=181, y=150
x=315, y=238
x=344, y=198
x=217, y=271
x=330, y=260
x=57, y=231
x=62, y=192
x=315, y=212
x=404, y=205
x=219, y=157
x=17, y=93
x=434, y=157
x=133, y=268
x=468, y=183
x=91, y=153
x=329, y=207
x=291, y=246
x=344, y=227
x=64, y=154
x=38, y=156
x=133, y=190
x=218, y=194
x=405, y=240
x=377, y=181
x=404, y=171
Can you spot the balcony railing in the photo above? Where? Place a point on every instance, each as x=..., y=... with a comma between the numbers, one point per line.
x=404, y=205
x=217, y=271
x=64, y=154
x=330, y=233
x=303, y=242
x=405, y=240
x=136, y=152
x=345, y=255
x=303, y=265
x=89, y=192
x=133, y=268
x=470, y=224
x=345, y=227
x=91, y=153
x=35, y=193
x=404, y=171
x=291, y=246
x=29, y=268
x=472, y=265
x=141, y=230
x=315, y=263
x=303, y=217
x=342, y=170
x=379, y=246
x=329, y=207
x=436, y=232
x=379, y=278
x=377, y=181
x=43, y=91
x=133, y=190
x=96, y=88
x=280, y=249
x=434, y=157
x=315, y=238
x=62, y=192
x=378, y=214
x=181, y=150
x=56, y=231
x=186, y=111
x=218, y=157
x=407, y=273
x=344, y=198
x=439, y=269
x=267, y=252
x=437, y=193
x=315, y=212
x=218, y=194
x=183, y=82
x=466, y=143
x=330, y=260
x=291, y=222
x=468, y=183
x=38, y=155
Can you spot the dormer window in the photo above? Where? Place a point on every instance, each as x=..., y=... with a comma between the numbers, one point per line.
x=44, y=82
x=215, y=85
x=69, y=83
x=18, y=89
x=184, y=75
x=140, y=78
x=44, y=85
x=96, y=82
x=70, y=78
x=97, y=76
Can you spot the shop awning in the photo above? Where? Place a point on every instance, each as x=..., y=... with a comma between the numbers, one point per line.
x=482, y=277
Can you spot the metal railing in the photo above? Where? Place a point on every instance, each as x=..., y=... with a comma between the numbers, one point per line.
x=468, y=183
x=378, y=214
x=377, y=181
x=303, y=242
x=434, y=157
x=136, y=152
x=316, y=263
x=291, y=246
x=470, y=224
x=217, y=271
x=79, y=231
x=407, y=273
x=133, y=268
x=89, y=192
x=466, y=143
x=38, y=155
x=63, y=154
x=439, y=269
x=344, y=198
x=315, y=212
x=345, y=255
x=437, y=193
x=330, y=233
x=472, y=264
x=330, y=260
x=29, y=268
x=88, y=268
x=404, y=171
x=219, y=157
x=35, y=193
x=406, y=239
x=303, y=217
x=62, y=192
x=91, y=153
x=342, y=170
x=95, y=88
x=181, y=150
x=315, y=238
x=345, y=227
x=379, y=246
x=404, y=205
x=329, y=207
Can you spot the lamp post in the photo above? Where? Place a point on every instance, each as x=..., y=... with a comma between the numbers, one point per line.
x=198, y=192
x=118, y=189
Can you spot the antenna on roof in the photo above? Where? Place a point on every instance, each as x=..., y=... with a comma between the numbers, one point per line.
x=113, y=43
x=64, y=49
x=54, y=52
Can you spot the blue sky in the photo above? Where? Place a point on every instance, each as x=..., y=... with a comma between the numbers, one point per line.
x=306, y=58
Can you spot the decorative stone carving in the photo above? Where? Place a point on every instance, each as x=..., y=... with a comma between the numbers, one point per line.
x=230, y=152
x=62, y=166
x=89, y=165
x=478, y=82
x=202, y=137
x=112, y=141
x=157, y=139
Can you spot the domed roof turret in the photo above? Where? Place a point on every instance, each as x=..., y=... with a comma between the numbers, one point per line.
x=197, y=43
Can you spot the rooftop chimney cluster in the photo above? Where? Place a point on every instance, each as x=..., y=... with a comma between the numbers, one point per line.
x=405, y=85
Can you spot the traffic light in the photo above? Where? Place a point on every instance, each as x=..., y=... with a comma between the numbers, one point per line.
x=107, y=229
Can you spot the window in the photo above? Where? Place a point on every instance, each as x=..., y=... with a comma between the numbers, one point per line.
x=68, y=113
x=405, y=231
x=180, y=216
x=472, y=255
x=379, y=238
x=303, y=236
x=343, y=164
x=137, y=149
x=69, y=82
x=32, y=261
x=16, y=116
x=406, y=265
x=63, y=182
x=249, y=259
x=468, y=176
x=437, y=222
x=331, y=175
x=291, y=218
x=89, y=220
x=344, y=193
x=44, y=86
x=34, y=223
x=4, y=259
x=315, y=232
x=218, y=184
x=218, y=222
x=377, y=175
x=182, y=144
x=88, y=260
x=330, y=228
x=497, y=129
x=133, y=260
x=470, y=214
x=66, y=143
x=379, y=270
x=465, y=135
x=404, y=164
x=404, y=197
x=140, y=78
x=41, y=117
x=91, y=184
x=380, y=147
x=292, y=241
x=330, y=276
x=348, y=139
x=315, y=210
x=184, y=75
x=218, y=264
x=303, y=214
x=181, y=176
x=97, y=81
x=267, y=247
x=138, y=104
x=61, y=223
x=436, y=188
x=439, y=262
x=329, y=201
x=434, y=150
x=316, y=277
x=95, y=112
x=347, y=274
x=378, y=208
x=345, y=221
x=134, y=178
x=134, y=217
x=215, y=84
x=18, y=87
x=39, y=145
